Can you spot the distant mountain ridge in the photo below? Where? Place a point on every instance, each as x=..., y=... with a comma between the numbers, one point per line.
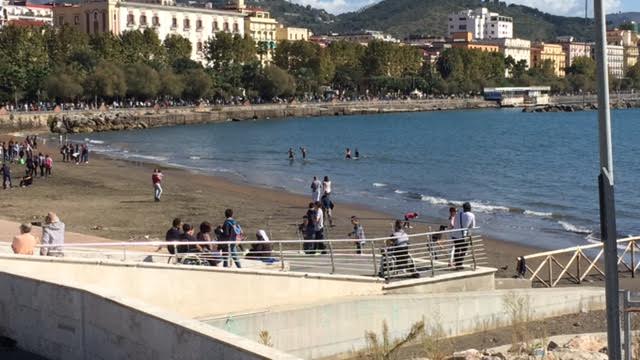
x=402, y=18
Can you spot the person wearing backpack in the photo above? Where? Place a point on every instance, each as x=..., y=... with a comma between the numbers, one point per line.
x=232, y=232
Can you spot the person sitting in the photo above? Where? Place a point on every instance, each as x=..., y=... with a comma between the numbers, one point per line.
x=209, y=250
x=24, y=243
x=398, y=249
x=27, y=180
x=52, y=234
x=173, y=234
x=188, y=236
x=261, y=251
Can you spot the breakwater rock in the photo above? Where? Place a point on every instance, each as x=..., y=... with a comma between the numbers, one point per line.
x=88, y=122
x=579, y=107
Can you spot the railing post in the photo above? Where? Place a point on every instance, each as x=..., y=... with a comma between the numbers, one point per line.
x=281, y=256
x=473, y=252
x=430, y=250
x=333, y=265
x=375, y=264
x=633, y=259
x=626, y=325
x=578, y=266
x=550, y=271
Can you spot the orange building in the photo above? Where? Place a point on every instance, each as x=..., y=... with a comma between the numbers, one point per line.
x=476, y=46
x=540, y=52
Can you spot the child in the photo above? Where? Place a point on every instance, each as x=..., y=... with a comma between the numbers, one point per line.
x=358, y=233
x=408, y=217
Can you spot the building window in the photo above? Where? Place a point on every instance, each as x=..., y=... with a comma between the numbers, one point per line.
x=143, y=20
x=186, y=24
x=155, y=20
x=131, y=20
x=76, y=20
x=199, y=25
x=225, y=26
x=199, y=46
x=174, y=23
x=236, y=28
x=216, y=26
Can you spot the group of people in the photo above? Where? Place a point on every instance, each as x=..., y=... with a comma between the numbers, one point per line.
x=292, y=154
x=24, y=154
x=349, y=156
x=75, y=153
x=53, y=231
x=226, y=248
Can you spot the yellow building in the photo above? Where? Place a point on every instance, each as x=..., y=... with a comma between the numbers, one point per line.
x=292, y=34
x=263, y=30
x=464, y=40
x=540, y=52
x=629, y=40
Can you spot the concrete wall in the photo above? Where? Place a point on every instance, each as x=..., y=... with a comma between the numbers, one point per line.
x=480, y=280
x=194, y=291
x=330, y=328
x=64, y=322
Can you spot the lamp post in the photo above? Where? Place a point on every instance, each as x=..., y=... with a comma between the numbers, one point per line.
x=606, y=187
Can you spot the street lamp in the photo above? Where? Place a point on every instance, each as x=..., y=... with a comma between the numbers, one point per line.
x=606, y=187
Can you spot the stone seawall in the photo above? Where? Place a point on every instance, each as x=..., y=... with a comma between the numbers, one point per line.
x=86, y=122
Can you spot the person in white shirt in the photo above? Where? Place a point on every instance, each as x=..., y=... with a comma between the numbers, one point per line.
x=316, y=189
x=464, y=220
x=326, y=185
x=319, y=228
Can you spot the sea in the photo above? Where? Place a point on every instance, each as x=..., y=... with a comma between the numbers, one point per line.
x=531, y=178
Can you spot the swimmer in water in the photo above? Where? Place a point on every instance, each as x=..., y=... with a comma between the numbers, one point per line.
x=347, y=154
x=303, y=150
x=292, y=155
x=357, y=154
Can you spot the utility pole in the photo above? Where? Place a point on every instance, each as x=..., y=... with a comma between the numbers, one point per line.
x=606, y=188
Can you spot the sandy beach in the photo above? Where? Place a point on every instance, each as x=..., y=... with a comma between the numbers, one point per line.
x=113, y=199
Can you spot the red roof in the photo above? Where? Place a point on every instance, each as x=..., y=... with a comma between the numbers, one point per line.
x=39, y=6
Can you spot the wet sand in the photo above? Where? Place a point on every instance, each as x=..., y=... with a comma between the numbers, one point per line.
x=113, y=199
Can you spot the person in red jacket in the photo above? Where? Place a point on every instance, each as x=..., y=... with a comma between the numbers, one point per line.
x=156, y=179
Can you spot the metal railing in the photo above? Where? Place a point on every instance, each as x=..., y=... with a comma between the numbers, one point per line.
x=577, y=263
x=425, y=255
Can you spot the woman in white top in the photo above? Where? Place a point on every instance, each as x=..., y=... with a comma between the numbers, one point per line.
x=326, y=185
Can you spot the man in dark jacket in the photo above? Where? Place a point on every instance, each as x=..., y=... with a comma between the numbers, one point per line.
x=174, y=234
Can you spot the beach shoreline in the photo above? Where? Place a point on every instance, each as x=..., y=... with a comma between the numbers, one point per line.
x=113, y=198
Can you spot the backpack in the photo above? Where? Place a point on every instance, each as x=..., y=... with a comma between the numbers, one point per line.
x=236, y=234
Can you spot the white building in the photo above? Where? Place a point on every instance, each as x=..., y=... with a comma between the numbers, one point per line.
x=484, y=25
x=163, y=16
x=364, y=37
x=25, y=13
x=615, y=56
x=518, y=49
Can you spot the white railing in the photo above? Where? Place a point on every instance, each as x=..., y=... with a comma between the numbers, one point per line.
x=426, y=254
x=551, y=267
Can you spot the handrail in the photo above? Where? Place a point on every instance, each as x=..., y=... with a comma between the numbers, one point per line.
x=586, y=259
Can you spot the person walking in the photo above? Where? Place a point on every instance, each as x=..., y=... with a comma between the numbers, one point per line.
x=318, y=224
x=156, y=179
x=316, y=190
x=52, y=234
x=326, y=186
x=48, y=165
x=41, y=164
x=231, y=232
x=358, y=234
x=464, y=221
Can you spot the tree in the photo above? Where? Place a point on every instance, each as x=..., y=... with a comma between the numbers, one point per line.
x=177, y=48
x=25, y=62
x=64, y=42
x=61, y=84
x=198, y=84
x=143, y=82
x=142, y=47
x=171, y=85
x=581, y=75
x=275, y=82
x=106, y=81
x=107, y=46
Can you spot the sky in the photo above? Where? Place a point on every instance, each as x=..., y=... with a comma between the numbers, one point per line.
x=559, y=7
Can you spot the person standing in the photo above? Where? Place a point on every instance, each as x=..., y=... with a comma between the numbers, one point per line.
x=303, y=150
x=464, y=221
x=173, y=234
x=6, y=176
x=357, y=233
x=347, y=154
x=48, y=165
x=25, y=243
x=326, y=186
x=292, y=155
x=452, y=218
x=231, y=232
x=327, y=207
x=316, y=190
x=52, y=234
x=156, y=179
x=318, y=224
x=41, y=164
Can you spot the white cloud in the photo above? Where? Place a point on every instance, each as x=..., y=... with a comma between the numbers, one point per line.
x=567, y=7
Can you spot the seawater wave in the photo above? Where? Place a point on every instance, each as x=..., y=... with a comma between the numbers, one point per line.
x=574, y=229
x=379, y=185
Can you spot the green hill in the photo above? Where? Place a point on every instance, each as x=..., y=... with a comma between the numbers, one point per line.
x=429, y=17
